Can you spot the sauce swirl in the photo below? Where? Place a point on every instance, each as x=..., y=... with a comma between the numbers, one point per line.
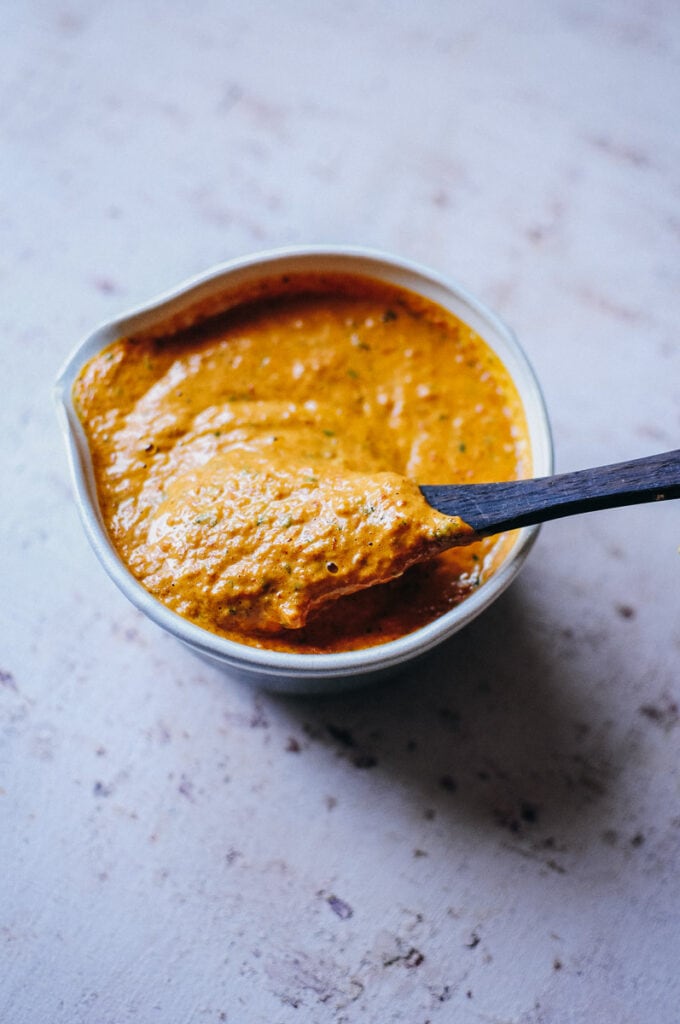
x=258, y=466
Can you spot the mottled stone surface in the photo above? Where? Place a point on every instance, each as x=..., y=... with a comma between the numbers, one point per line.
x=495, y=837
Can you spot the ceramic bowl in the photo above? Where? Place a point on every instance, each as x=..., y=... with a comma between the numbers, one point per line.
x=275, y=670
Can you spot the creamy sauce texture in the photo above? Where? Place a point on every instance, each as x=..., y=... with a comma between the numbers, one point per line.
x=257, y=467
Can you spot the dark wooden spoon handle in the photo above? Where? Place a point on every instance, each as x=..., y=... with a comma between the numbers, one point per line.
x=493, y=508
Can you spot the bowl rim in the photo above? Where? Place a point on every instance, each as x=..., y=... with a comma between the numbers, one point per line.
x=363, y=261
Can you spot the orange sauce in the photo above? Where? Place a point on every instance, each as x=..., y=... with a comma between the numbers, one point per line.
x=257, y=469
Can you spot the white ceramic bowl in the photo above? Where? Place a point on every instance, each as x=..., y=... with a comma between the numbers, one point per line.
x=275, y=670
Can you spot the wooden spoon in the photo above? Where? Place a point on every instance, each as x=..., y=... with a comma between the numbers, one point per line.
x=494, y=508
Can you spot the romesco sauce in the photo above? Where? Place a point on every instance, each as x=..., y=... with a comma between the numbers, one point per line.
x=257, y=468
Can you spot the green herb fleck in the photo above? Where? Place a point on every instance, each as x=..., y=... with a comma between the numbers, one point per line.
x=358, y=343
x=206, y=518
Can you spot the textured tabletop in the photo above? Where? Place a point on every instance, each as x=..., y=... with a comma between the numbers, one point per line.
x=495, y=836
